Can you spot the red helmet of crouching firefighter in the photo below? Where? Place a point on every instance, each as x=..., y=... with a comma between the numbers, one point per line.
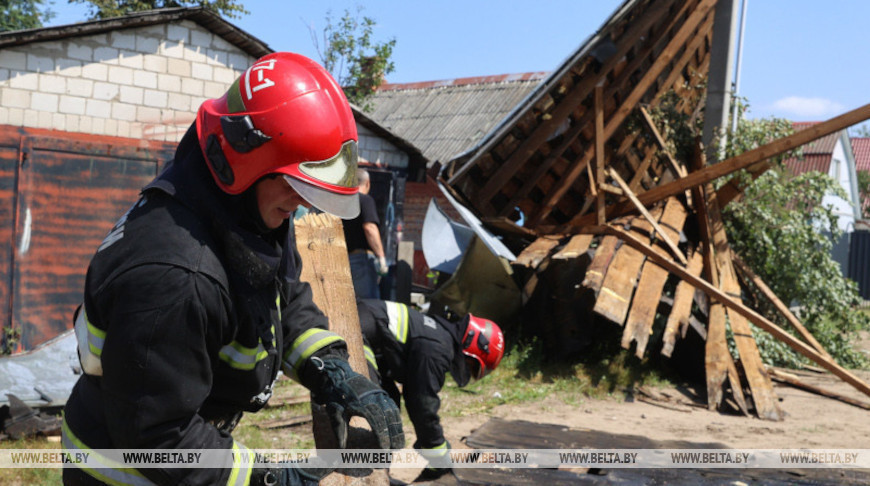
x=483, y=346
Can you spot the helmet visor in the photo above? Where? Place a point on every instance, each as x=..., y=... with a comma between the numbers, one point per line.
x=339, y=170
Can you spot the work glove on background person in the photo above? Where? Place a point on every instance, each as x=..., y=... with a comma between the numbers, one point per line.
x=346, y=393
x=382, y=267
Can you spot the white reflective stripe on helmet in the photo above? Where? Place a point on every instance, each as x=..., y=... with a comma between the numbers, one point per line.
x=90, y=341
x=308, y=343
x=398, y=315
x=107, y=471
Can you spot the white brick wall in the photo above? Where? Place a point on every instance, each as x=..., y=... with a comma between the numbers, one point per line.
x=145, y=82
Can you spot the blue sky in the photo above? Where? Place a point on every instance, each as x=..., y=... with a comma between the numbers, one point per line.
x=805, y=60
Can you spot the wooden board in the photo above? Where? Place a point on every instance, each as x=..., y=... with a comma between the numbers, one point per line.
x=325, y=266
x=600, y=262
x=576, y=246
x=614, y=298
x=638, y=326
x=682, y=308
x=534, y=254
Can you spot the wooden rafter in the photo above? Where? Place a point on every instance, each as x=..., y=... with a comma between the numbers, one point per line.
x=725, y=167
x=667, y=55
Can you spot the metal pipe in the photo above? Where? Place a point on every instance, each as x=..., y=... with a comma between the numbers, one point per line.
x=734, y=103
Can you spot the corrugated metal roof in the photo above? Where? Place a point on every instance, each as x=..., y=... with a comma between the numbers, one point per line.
x=861, y=150
x=445, y=118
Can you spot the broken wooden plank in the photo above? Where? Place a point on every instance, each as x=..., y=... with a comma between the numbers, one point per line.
x=793, y=380
x=736, y=305
x=281, y=423
x=614, y=298
x=682, y=308
x=780, y=306
x=665, y=236
x=678, y=169
x=715, y=171
x=535, y=253
x=766, y=403
x=325, y=266
x=638, y=326
x=600, y=262
x=576, y=246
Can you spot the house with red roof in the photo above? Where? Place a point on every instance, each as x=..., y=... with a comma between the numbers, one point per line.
x=833, y=155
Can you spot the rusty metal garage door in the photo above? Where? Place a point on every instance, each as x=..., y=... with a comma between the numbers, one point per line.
x=61, y=193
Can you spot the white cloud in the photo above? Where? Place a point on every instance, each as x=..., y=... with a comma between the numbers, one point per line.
x=807, y=108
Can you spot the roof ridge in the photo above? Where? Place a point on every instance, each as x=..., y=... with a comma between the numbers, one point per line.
x=490, y=79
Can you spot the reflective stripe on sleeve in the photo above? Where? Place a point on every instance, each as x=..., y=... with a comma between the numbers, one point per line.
x=109, y=471
x=241, y=357
x=90, y=340
x=398, y=315
x=370, y=356
x=308, y=343
x=243, y=466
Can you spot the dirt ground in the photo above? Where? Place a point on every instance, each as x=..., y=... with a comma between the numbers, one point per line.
x=811, y=421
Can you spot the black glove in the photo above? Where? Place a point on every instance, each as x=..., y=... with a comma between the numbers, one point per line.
x=346, y=393
x=283, y=475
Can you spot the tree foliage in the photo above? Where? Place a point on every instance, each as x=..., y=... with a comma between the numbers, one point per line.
x=104, y=9
x=23, y=14
x=348, y=51
x=782, y=230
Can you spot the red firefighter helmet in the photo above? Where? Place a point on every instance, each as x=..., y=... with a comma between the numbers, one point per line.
x=285, y=114
x=483, y=346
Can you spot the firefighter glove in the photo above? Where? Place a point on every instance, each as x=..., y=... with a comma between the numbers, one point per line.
x=346, y=393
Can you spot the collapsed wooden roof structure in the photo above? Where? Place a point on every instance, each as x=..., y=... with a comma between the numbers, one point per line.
x=591, y=173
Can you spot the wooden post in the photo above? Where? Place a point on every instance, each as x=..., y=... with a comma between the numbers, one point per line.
x=599, y=153
x=325, y=266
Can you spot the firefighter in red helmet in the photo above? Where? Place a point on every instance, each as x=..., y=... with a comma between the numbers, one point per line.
x=193, y=303
x=417, y=350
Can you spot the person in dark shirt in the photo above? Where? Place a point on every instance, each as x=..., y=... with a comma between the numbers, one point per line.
x=364, y=247
x=417, y=350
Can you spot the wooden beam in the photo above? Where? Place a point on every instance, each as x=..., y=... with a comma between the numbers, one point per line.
x=778, y=304
x=534, y=254
x=662, y=234
x=679, y=170
x=731, y=303
x=726, y=167
x=793, y=380
x=599, y=153
x=664, y=59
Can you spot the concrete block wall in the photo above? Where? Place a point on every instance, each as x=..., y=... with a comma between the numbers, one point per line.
x=144, y=82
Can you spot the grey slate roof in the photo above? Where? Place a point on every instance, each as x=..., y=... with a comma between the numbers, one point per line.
x=445, y=118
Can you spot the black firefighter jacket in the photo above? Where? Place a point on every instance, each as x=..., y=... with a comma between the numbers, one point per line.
x=187, y=319
x=416, y=350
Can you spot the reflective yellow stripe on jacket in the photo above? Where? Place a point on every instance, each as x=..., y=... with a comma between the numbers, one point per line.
x=242, y=357
x=370, y=356
x=114, y=473
x=308, y=343
x=398, y=315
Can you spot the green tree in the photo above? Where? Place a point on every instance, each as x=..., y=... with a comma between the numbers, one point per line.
x=348, y=51
x=23, y=14
x=864, y=189
x=104, y=9
x=782, y=230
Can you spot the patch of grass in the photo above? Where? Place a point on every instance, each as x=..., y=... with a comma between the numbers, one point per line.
x=526, y=376
x=19, y=476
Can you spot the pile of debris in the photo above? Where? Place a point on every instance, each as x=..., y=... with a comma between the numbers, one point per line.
x=589, y=179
